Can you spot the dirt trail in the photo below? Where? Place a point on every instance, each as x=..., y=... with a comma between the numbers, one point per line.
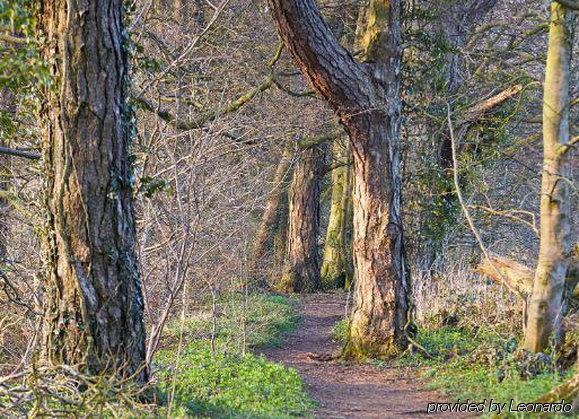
x=347, y=390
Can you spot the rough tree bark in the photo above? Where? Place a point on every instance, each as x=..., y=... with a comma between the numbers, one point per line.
x=546, y=303
x=93, y=302
x=302, y=266
x=366, y=99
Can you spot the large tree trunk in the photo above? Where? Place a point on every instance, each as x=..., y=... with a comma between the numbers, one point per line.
x=302, y=270
x=366, y=98
x=93, y=301
x=334, y=263
x=545, y=310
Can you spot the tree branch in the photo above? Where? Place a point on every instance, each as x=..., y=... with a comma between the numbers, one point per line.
x=328, y=66
x=210, y=116
x=12, y=39
x=31, y=155
x=310, y=142
x=477, y=111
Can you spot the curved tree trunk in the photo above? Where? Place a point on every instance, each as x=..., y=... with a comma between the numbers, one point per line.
x=302, y=267
x=366, y=98
x=93, y=302
x=546, y=304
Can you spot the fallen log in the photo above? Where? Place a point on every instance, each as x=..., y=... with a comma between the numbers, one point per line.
x=568, y=391
x=518, y=277
x=513, y=275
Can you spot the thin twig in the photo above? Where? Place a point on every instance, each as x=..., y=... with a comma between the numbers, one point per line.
x=467, y=214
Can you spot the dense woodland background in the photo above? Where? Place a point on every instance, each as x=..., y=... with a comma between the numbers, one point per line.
x=241, y=177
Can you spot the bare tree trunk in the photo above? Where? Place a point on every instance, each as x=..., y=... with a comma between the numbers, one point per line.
x=8, y=107
x=546, y=304
x=267, y=226
x=366, y=98
x=280, y=236
x=334, y=270
x=93, y=302
x=302, y=268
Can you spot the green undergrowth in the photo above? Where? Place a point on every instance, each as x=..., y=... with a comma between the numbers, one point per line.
x=480, y=364
x=229, y=385
x=193, y=378
x=231, y=382
x=341, y=330
x=253, y=321
x=476, y=364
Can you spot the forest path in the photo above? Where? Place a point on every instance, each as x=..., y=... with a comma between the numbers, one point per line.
x=347, y=390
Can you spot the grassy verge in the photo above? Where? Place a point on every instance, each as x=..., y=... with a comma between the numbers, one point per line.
x=479, y=365
x=231, y=382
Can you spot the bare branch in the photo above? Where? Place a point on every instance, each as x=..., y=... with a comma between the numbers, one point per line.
x=210, y=116
x=32, y=155
x=12, y=39
x=478, y=110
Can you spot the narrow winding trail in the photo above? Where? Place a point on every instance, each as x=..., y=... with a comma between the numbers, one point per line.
x=346, y=390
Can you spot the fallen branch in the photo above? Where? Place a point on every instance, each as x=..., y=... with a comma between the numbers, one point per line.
x=516, y=276
x=503, y=270
x=567, y=391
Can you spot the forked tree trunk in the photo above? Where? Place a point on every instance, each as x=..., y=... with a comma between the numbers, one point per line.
x=334, y=272
x=93, y=302
x=366, y=98
x=546, y=304
x=302, y=266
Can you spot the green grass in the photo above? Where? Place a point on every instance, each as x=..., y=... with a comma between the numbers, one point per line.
x=482, y=365
x=193, y=382
x=230, y=385
x=231, y=382
x=340, y=331
x=260, y=321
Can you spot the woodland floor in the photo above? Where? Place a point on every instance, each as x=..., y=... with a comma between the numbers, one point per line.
x=347, y=390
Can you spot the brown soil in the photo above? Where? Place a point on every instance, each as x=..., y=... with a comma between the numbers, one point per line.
x=347, y=390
